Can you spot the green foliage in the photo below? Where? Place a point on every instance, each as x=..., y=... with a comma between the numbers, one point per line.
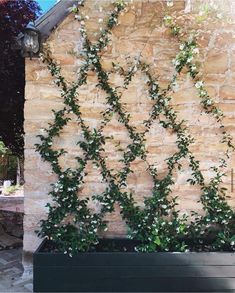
x=11, y=189
x=8, y=166
x=159, y=225
x=3, y=149
x=14, y=17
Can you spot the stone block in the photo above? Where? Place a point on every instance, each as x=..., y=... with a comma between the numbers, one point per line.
x=127, y=19
x=232, y=61
x=225, y=40
x=217, y=62
x=227, y=92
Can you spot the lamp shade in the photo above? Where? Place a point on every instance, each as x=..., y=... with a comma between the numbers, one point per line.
x=31, y=43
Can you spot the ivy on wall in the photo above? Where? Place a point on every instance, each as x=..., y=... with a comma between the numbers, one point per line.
x=159, y=225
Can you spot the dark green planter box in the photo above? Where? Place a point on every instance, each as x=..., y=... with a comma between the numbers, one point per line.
x=134, y=272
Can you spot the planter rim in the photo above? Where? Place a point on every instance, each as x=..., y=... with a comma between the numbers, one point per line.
x=37, y=251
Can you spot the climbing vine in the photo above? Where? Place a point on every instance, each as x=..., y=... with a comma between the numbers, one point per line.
x=159, y=225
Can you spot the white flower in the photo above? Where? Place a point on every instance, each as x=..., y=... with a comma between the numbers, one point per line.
x=202, y=93
x=100, y=20
x=175, y=86
x=169, y=3
x=214, y=6
x=78, y=17
x=189, y=59
x=167, y=18
x=195, y=51
x=199, y=84
x=176, y=62
x=209, y=102
x=191, y=38
x=182, y=47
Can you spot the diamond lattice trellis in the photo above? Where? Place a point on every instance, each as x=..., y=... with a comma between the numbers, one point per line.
x=159, y=223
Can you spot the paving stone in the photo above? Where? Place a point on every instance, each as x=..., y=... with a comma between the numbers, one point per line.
x=29, y=286
x=3, y=261
x=11, y=271
x=22, y=281
x=7, y=240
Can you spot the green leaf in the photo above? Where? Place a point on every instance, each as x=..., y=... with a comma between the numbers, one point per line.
x=157, y=241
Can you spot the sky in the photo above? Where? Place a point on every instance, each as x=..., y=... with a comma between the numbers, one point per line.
x=46, y=4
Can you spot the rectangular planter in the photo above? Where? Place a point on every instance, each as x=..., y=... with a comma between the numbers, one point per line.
x=134, y=272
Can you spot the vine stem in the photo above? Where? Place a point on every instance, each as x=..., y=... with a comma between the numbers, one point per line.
x=159, y=225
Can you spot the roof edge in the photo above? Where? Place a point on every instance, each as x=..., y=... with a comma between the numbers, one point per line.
x=53, y=17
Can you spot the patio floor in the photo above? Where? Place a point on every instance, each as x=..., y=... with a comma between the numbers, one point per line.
x=11, y=271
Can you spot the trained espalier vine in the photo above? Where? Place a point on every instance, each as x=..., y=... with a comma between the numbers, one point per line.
x=158, y=226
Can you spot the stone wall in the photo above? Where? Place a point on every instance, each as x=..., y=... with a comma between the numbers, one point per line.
x=140, y=32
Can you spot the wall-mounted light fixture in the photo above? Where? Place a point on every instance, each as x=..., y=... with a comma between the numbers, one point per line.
x=30, y=41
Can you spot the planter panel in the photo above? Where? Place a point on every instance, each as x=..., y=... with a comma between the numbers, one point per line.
x=134, y=272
